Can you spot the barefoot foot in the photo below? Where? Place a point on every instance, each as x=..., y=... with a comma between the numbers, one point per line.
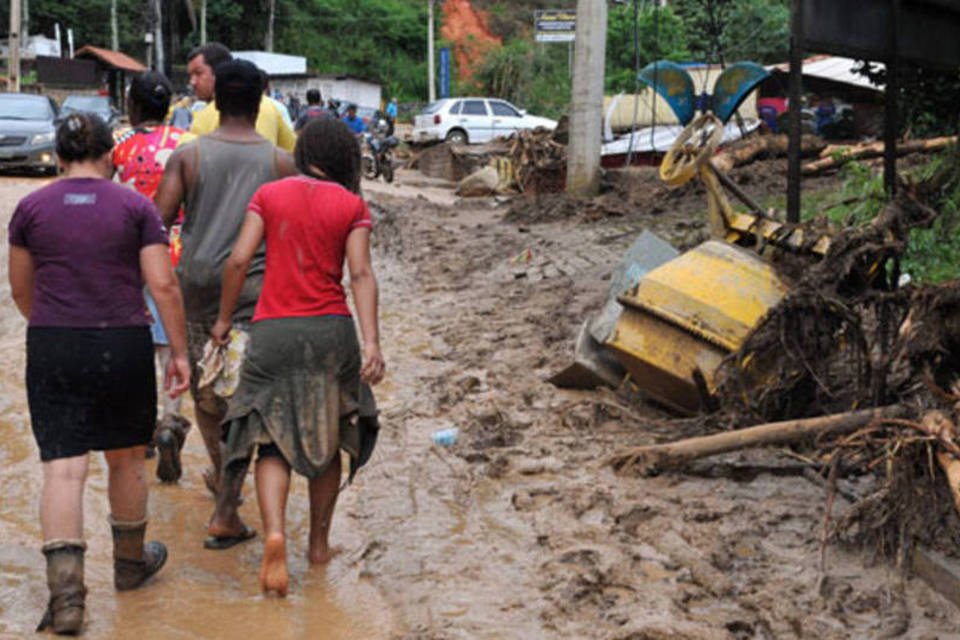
x=273, y=567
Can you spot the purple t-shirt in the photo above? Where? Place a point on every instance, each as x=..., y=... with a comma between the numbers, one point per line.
x=85, y=236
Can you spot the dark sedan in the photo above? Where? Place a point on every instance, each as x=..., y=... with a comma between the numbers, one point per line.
x=27, y=132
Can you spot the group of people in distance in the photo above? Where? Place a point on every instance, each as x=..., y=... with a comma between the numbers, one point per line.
x=262, y=244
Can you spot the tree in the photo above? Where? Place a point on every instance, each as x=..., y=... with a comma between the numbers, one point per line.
x=662, y=36
x=734, y=30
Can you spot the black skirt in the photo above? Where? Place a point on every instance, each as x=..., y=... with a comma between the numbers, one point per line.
x=90, y=389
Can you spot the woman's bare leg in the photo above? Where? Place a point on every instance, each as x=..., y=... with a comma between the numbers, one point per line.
x=61, y=499
x=127, y=483
x=324, y=490
x=273, y=487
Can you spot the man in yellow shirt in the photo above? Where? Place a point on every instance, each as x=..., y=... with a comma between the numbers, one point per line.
x=201, y=63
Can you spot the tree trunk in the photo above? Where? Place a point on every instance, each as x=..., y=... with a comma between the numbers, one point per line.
x=114, y=29
x=268, y=41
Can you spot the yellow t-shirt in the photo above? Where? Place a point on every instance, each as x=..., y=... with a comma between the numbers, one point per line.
x=270, y=124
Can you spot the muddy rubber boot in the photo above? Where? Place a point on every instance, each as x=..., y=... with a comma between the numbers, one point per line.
x=65, y=581
x=169, y=437
x=134, y=561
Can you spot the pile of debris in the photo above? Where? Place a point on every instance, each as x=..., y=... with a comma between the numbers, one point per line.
x=863, y=377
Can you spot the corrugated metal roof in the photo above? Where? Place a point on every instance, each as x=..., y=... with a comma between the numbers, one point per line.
x=835, y=68
x=112, y=59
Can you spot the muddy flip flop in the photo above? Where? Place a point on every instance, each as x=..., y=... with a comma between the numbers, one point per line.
x=219, y=543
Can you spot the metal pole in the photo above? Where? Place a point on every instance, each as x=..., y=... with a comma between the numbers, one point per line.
x=891, y=108
x=586, y=112
x=13, y=45
x=431, y=69
x=796, y=81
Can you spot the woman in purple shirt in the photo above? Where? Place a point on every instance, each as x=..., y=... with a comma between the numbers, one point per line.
x=80, y=250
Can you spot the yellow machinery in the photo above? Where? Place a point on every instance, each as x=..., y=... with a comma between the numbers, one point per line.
x=683, y=317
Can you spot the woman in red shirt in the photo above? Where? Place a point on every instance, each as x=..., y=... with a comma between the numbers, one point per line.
x=300, y=387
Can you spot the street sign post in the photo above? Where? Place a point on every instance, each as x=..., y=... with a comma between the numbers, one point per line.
x=555, y=25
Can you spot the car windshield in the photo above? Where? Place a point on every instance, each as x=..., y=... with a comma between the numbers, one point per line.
x=97, y=104
x=14, y=107
x=433, y=107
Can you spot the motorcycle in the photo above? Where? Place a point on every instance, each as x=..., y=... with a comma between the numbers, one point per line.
x=377, y=157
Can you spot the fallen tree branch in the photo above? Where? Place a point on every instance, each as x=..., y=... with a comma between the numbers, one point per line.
x=774, y=146
x=652, y=459
x=834, y=156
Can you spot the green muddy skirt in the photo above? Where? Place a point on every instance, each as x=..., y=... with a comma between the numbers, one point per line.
x=300, y=390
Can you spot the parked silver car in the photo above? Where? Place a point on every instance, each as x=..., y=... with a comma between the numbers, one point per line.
x=28, y=132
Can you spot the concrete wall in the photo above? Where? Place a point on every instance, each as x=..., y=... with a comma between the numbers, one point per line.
x=360, y=92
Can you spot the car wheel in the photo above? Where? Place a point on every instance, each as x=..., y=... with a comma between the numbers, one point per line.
x=457, y=136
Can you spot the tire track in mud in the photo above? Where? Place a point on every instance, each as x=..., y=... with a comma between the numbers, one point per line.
x=517, y=531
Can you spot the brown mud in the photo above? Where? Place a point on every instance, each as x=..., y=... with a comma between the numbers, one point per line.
x=520, y=523
x=515, y=531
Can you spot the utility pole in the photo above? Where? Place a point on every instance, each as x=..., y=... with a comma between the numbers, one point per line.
x=431, y=83
x=25, y=23
x=586, y=109
x=13, y=47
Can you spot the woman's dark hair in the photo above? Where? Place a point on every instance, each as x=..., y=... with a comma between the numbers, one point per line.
x=330, y=146
x=83, y=136
x=151, y=92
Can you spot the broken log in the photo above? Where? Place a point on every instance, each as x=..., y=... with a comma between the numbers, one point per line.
x=746, y=151
x=835, y=156
x=652, y=459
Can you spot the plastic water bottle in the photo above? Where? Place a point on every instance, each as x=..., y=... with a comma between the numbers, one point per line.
x=446, y=437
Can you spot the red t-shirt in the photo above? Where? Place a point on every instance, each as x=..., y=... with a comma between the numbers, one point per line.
x=306, y=224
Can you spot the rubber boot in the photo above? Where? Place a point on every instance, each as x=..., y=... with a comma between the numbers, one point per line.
x=65, y=581
x=169, y=437
x=134, y=561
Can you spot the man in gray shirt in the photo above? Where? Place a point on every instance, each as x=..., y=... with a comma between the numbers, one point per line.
x=213, y=178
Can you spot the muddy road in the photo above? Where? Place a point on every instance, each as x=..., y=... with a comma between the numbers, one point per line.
x=515, y=531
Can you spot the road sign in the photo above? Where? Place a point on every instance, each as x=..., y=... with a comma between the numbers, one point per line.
x=555, y=25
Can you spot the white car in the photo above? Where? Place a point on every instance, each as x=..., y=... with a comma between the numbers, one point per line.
x=473, y=120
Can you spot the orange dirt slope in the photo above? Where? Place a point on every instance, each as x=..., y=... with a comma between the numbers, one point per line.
x=467, y=29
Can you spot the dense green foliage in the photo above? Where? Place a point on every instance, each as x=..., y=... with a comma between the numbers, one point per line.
x=661, y=35
x=931, y=256
x=731, y=30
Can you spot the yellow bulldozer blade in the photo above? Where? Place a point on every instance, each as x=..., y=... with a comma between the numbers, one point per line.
x=685, y=316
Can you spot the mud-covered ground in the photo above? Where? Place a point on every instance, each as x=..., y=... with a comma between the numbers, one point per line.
x=519, y=530
x=516, y=531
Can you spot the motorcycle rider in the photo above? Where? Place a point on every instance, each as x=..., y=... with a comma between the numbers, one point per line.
x=352, y=120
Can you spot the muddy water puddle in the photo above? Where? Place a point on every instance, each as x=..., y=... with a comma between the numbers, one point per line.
x=199, y=593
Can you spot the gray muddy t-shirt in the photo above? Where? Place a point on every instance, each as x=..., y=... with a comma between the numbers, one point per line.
x=228, y=176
